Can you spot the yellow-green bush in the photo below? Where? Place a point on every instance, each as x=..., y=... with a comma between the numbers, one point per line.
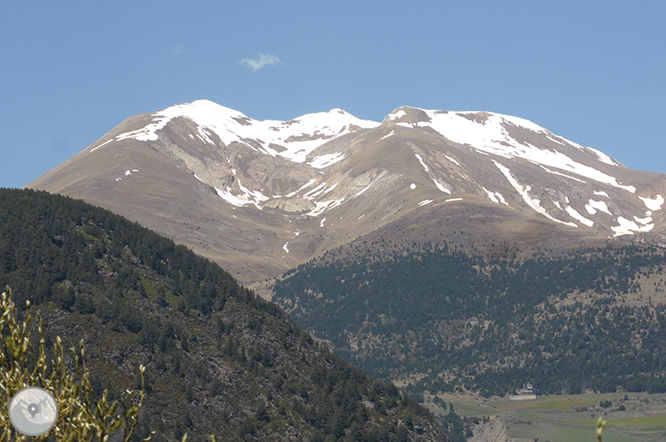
x=82, y=415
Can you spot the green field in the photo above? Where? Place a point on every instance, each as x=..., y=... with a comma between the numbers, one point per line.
x=561, y=404
x=571, y=418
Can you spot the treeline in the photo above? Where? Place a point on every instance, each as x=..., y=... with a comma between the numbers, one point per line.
x=486, y=325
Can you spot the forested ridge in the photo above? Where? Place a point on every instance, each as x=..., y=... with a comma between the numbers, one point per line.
x=219, y=360
x=468, y=323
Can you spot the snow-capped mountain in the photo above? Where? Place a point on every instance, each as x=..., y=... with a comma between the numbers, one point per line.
x=260, y=197
x=292, y=140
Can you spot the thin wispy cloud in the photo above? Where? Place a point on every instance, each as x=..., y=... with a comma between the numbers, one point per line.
x=178, y=49
x=262, y=61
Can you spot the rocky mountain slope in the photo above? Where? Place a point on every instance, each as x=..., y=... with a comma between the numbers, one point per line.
x=261, y=197
x=219, y=360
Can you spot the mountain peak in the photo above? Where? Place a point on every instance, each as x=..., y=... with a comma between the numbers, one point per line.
x=407, y=115
x=285, y=191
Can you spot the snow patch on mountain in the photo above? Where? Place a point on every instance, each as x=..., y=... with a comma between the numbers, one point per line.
x=326, y=160
x=534, y=203
x=299, y=137
x=554, y=172
x=627, y=227
x=491, y=135
x=361, y=192
x=397, y=115
x=322, y=206
x=128, y=172
x=653, y=203
x=388, y=135
x=452, y=160
x=313, y=193
x=103, y=144
x=441, y=187
x=495, y=197
x=422, y=163
x=646, y=220
x=149, y=132
x=247, y=197
x=592, y=206
x=574, y=214
x=304, y=186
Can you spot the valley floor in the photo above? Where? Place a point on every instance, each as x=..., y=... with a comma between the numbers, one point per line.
x=563, y=418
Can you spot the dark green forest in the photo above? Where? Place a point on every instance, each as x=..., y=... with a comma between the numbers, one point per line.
x=468, y=323
x=45, y=240
x=219, y=359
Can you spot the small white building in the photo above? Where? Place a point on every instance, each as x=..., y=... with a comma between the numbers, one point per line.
x=525, y=393
x=527, y=389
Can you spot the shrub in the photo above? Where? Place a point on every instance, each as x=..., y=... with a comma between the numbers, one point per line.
x=84, y=414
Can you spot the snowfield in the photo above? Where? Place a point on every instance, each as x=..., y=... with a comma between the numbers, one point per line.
x=493, y=135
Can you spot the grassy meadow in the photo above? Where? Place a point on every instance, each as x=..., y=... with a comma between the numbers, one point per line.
x=639, y=417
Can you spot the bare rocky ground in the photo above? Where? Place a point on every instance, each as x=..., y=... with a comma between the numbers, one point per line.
x=492, y=431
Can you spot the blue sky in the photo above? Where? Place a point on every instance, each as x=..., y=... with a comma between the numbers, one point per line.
x=591, y=71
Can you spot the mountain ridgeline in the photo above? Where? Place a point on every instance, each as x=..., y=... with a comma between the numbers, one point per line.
x=219, y=359
x=262, y=197
x=452, y=321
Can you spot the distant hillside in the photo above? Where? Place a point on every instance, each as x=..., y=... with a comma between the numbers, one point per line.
x=219, y=359
x=446, y=320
